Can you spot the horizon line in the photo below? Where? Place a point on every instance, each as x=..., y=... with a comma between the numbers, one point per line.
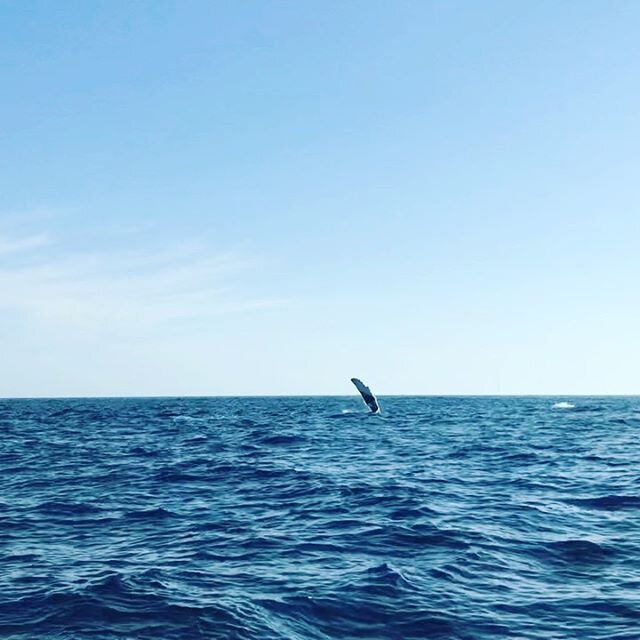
x=337, y=395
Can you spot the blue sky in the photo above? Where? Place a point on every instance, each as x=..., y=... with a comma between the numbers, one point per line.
x=208, y=198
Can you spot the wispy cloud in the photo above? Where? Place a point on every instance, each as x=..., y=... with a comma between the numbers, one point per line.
x=124, y=291
x=19, y=245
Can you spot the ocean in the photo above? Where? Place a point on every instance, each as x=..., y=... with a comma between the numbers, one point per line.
x=305, y=518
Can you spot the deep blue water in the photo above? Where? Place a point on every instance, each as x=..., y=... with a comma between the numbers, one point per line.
x=274, y=518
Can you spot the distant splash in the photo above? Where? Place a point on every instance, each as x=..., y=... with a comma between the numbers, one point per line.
x=347, y=413
x=564, y=405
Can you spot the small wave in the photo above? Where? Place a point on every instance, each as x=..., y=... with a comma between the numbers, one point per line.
x=143, y=452
x=58, y=508
x=521, y=456
x=168, y=413
x=176, y=475
x=150, y=514
x=21, y=557
x=406, y=513
x=407, y=538
x=120, y=606
x=563, y=405
x=590, y=409
x=388, y=575
x=198, y=438
x=61, y=413
x=611, y=502
x=281, y=439
x=349, y=614
x=583, y=551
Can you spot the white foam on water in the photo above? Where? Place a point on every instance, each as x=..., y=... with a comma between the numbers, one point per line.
x=563, y=405
x=187, y=418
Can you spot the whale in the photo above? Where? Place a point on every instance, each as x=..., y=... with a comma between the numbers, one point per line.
x=367, y=395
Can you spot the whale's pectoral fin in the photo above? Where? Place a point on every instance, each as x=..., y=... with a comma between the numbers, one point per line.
x=367, y=396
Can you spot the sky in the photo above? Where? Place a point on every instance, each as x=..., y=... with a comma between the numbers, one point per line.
x=268, y=198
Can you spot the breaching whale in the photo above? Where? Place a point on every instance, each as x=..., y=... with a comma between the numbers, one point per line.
x=367, y=396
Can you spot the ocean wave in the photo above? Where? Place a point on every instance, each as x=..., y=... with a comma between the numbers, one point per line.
x=58, y=508
x=584, y=551
x=150, y=514
x=608, y=502
x=121, y=606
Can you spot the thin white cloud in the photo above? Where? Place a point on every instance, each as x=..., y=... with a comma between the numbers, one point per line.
x=19, y=245
x=123, y=292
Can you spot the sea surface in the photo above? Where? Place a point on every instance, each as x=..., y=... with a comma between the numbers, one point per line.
x=305, y=518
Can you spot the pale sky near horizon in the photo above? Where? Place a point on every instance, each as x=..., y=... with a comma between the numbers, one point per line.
x=220, y=198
